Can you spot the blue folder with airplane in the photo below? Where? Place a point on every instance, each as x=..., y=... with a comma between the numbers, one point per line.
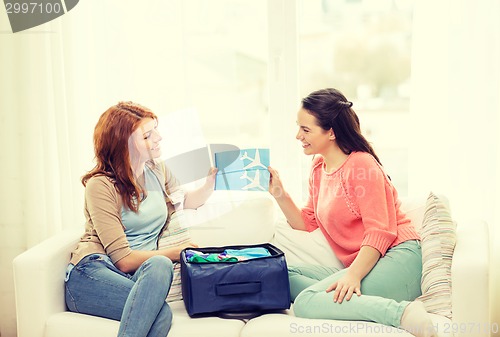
x=244, y=170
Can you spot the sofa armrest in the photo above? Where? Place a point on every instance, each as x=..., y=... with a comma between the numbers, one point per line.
x=39, y=281
x=470, y=280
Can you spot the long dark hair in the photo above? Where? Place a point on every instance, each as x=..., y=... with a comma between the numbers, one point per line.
x=333, y=111
x=111, y=150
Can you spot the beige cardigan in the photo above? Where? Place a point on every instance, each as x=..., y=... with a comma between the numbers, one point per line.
x=104, y=231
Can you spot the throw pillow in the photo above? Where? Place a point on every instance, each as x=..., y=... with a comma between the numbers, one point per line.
x=175, y=234
x=438, y=236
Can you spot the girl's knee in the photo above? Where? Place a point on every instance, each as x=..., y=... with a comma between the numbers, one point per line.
x=301, y=307
x=161, y=261
x=161, y=265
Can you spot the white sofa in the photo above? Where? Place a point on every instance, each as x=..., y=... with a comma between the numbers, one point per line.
x=245, y=218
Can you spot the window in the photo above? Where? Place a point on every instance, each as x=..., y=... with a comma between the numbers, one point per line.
x=242, y=66
x=362, y=48
x=226, y=55
x=222, y=74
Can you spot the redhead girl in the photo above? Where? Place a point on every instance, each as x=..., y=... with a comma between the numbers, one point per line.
x=116, y=270
x=355, y=205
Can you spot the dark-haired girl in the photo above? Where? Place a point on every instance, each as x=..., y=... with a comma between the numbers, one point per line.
x=355, y=205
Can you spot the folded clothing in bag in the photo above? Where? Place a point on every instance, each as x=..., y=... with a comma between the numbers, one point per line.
x=228, y=255
x=246, y=285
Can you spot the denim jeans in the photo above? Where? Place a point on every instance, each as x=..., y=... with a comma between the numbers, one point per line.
x=96, y=287
x=385, y=292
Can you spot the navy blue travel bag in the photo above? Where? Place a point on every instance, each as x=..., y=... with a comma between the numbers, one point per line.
x=243, y=287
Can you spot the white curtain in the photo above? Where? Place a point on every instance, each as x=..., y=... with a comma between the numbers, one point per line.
x=455, y=110
x=37, y=130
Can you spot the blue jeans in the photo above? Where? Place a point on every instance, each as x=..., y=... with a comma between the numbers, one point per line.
x=96, y=287
x=385, y=292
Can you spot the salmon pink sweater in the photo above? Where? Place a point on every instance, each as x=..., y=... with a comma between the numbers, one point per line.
x=355, y=206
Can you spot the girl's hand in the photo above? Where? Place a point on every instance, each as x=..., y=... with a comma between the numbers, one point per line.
x=197, y=197
x=345, y=287
x=275, y=186
x=210, y=181
x=176, y=251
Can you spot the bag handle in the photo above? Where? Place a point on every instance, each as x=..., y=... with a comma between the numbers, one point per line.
x=228, y=289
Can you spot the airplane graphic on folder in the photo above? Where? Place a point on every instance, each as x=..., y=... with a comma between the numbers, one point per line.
x=254, y=162
x=244, y=170
x=254, y=182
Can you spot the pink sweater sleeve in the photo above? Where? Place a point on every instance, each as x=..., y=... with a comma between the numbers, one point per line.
x=376, y=199
x=308, y=216
x=308, y=211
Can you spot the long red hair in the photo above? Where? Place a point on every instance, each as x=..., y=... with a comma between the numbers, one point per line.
x=111, y=135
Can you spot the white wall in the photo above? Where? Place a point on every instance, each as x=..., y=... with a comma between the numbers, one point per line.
x=455, y=112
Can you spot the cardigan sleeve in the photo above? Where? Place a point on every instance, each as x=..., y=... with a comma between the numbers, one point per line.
x=172, y=184
x=374, y=196
x=102, y=202
x=174, y=193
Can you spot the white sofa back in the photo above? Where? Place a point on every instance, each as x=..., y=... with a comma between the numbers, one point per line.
x=232, y=218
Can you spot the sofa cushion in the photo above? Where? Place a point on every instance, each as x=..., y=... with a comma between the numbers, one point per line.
x=414, y=209
x=304, y=248
x=287, y=325
x=185, y=326
x=232, y=218
x=438, y=243
x=80, y=325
